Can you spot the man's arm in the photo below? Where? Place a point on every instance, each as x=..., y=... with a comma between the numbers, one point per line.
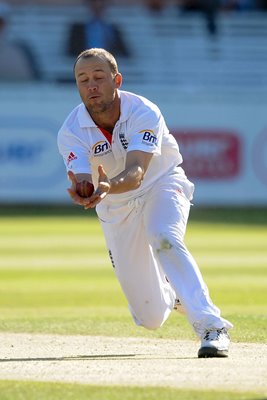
x=130, y=179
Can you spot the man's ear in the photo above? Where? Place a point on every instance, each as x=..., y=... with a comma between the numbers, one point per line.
x=118, y=80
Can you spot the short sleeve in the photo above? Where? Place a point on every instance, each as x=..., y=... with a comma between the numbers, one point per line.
x=146, y=131
x=74, y=152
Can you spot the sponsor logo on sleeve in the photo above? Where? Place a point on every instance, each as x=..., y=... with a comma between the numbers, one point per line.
x=149, y=137
x=71, y=157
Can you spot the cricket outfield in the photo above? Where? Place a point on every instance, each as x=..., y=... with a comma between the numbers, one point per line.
x=64, y=318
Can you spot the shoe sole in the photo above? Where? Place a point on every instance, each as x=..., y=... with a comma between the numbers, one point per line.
x=210, y=352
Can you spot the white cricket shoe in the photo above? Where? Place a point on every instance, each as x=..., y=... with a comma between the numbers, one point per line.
x=214, y=343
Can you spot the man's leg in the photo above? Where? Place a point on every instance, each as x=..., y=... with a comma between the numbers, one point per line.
x=166, y=215
x=150, y=296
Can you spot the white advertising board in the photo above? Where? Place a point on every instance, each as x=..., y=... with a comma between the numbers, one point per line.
x=223, y=140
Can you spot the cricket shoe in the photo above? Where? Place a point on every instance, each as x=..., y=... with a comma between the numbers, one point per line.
x=214, y=343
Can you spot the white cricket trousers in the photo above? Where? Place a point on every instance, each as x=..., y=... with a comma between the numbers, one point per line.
x=145, y=239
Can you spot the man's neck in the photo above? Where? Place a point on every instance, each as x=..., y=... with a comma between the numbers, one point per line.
x=108, y=119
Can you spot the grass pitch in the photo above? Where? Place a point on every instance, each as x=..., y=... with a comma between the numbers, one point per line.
x=13, y=390
x=56, y=277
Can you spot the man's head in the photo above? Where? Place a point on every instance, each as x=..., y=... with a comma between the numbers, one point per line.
x=101, y=54
x=97, y=77
x=97, y=7
x=4, y=14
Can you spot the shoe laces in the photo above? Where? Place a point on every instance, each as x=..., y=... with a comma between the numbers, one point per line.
x=214, y=334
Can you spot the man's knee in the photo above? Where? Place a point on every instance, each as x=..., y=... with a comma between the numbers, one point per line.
x=151, y=318
x=166, y=241
x=153, y=323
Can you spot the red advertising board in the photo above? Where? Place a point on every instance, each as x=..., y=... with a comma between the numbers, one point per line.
x=209, y=154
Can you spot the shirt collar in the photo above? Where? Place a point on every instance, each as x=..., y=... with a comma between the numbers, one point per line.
x=84, y=117
x=126, y=106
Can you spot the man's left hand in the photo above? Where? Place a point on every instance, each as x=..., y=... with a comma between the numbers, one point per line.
x=101, y=191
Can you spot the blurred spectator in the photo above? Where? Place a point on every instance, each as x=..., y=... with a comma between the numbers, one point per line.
x=155, y=6
x=209, y=8
x=237, y=5
x=262, y=5
x=16, y=59
x=97, y=32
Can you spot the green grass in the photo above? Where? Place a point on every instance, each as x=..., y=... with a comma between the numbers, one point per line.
x=11, y=390
x=56, y=277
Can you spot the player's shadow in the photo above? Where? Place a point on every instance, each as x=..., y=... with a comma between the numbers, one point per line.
x=94, y=357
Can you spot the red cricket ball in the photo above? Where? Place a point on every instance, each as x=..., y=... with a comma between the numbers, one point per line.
x=85, y=188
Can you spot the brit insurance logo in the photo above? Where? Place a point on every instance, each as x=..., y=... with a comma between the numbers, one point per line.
x=101, y=148
x=149, y=137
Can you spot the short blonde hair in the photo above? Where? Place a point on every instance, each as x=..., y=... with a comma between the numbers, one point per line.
x=100, y=53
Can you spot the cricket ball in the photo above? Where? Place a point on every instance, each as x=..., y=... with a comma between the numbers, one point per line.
x=84, y=188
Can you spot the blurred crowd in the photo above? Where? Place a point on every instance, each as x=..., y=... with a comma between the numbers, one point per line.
x=209, y=8
x=19, y=63
x=200, y=5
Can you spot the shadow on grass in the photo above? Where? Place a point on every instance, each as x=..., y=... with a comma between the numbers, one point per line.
x=230, y=215
x=43, y=211
x=225, y=215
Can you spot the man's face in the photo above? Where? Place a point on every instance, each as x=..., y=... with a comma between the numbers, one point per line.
x=96, y=84
x=97, y=6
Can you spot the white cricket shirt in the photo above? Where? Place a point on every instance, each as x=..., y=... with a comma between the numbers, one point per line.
x=141, y=126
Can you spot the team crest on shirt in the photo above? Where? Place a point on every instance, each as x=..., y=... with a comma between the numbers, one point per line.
x=123, y=140
x=101, y=148
x=149, y=137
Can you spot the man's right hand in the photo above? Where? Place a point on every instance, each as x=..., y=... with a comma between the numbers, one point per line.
x=101, y=191
x=77, y=199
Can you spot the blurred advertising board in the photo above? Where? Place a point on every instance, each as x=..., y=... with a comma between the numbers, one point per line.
x=223, y=143
x=211, y=155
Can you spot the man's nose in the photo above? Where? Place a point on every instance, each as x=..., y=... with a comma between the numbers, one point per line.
x=91, y=87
